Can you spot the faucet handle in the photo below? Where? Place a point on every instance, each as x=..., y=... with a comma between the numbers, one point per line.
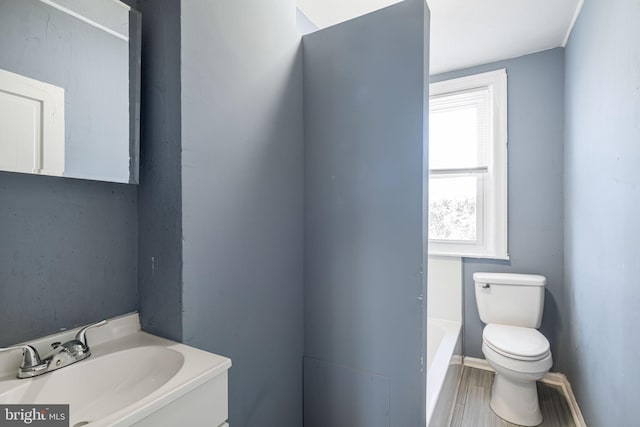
x=30, y=356
x=82, y=333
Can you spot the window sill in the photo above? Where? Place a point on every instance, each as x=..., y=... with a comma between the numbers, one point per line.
x=468, y=255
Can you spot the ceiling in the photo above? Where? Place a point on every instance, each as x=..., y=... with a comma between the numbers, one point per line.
x=465, y=33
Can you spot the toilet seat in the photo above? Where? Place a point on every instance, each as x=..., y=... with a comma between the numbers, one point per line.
x=514, y=342
x=515, y=367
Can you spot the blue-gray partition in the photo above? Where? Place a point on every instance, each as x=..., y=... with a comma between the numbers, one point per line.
x=242, y=184
x=602, y=199
x=365, y=278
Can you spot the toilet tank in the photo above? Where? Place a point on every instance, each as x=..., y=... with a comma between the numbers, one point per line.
x=510, y=299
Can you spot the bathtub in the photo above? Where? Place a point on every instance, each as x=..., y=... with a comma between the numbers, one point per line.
x=443, y=369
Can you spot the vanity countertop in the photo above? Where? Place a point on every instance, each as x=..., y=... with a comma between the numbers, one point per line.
x=129, y=375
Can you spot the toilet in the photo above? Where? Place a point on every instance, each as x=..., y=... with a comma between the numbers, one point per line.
x=511, y=307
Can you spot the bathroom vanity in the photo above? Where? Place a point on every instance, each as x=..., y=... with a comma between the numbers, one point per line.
x=131, y=378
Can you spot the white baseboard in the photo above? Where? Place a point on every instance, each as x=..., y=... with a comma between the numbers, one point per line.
x=553, y=378
x=474, y=362
x=457, y=359
x=573, y=403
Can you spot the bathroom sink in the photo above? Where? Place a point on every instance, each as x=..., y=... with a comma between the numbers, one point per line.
x=126, y=378
x=101, y=385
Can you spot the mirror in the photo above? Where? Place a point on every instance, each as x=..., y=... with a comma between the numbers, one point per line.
x=70, y=88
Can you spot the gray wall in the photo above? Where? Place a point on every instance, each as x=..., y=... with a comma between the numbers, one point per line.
x=364, y=294
x=68, y=255
x=602, y=230
x=535, y=132
x=242, y=183
x=160, y=190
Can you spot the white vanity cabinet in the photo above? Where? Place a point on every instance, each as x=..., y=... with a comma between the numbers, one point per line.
x=206, y=405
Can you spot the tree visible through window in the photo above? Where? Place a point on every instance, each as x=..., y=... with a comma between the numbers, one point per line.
x=452, y=213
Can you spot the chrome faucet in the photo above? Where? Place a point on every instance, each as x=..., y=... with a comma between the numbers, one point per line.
x=62, y=354
x=31, y=365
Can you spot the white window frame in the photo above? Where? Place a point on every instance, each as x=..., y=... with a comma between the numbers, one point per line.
x=492, y=188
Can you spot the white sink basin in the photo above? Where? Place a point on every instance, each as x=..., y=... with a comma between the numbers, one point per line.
x=129, y=375
x=102, y=385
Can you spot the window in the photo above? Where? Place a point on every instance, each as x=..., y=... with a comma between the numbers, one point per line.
x=468, y=166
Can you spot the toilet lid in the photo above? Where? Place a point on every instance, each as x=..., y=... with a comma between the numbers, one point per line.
x=516, y=342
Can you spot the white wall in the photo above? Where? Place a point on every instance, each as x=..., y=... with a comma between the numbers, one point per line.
x=444, y=287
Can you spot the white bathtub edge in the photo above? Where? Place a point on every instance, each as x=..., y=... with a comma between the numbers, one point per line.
x=442, y=364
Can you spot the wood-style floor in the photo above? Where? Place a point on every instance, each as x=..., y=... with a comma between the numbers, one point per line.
x=472, y=403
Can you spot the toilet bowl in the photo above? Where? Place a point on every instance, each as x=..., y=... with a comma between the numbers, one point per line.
x=511, y=306
x=520, y=356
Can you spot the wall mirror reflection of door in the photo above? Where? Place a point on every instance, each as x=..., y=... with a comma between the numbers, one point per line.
x=69, y=88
